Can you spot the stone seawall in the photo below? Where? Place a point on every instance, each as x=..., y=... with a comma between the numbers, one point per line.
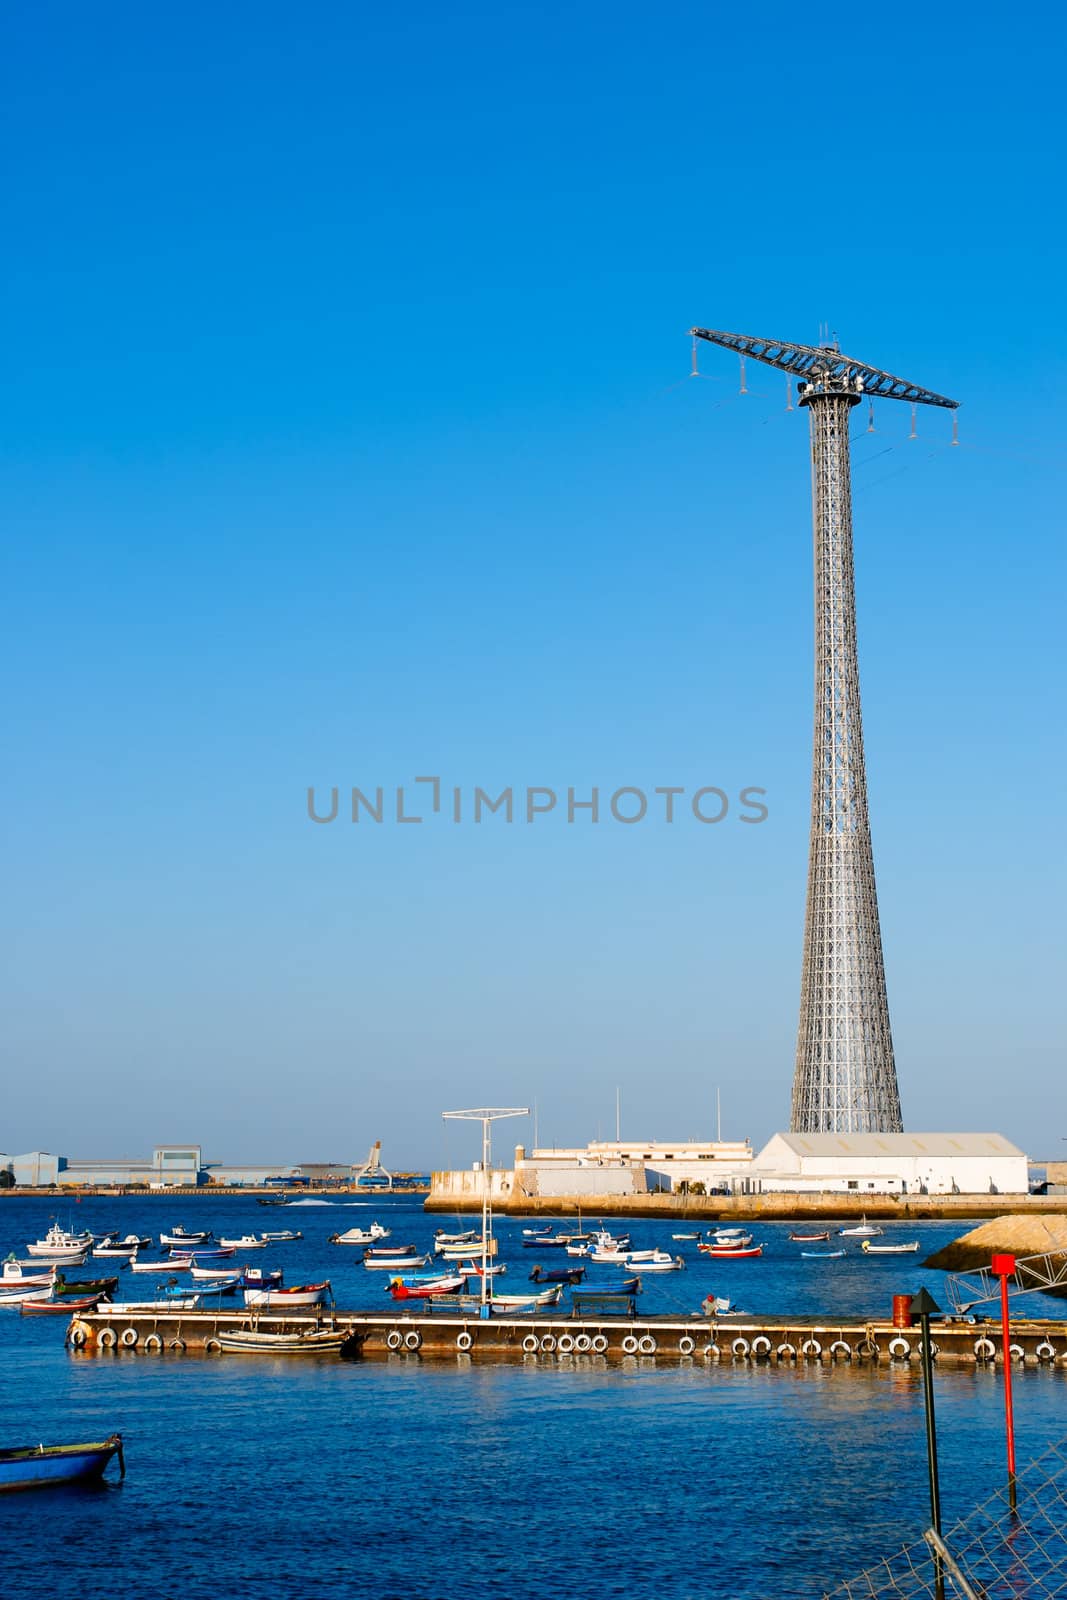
x=761, y=1207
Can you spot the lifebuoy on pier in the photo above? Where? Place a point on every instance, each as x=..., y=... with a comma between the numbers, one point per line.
x=761, y=1345
x=840, y=1348
x=985, y=1350
x=464, y=1341
x=899, y=1349
x=740, y=1347
x=811, y=1347
x=1045, y=1351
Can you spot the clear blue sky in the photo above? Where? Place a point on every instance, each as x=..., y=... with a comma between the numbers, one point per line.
x=347, y=436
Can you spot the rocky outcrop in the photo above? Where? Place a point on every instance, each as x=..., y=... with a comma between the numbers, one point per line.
x=1014, y=1235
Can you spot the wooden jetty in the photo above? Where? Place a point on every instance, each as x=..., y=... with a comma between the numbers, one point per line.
x=782, y=1341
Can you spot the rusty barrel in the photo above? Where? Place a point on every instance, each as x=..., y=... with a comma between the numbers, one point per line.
x=902, y=1311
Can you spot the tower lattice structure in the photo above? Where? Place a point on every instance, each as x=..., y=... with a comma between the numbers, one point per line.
x=845, y=1077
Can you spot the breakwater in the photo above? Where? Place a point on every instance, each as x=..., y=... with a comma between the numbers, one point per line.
x=781, y=1341
x=777, y=1207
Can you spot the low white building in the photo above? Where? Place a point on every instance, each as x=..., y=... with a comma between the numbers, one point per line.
x=890, y=1163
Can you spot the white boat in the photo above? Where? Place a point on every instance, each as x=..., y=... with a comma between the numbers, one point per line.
x=685, y=1236
x=160, y=1268
x=16, y=1276
x=249, y=1341
x=120, y=1252
x=179, y=1239
x=286, y=1236
x=734, y=1238
x=613, y=1258
x=659, y=1261
x=211, y=1274
x=477, y=1268
x=359, y=1236
x=247, y=1241
x=307, y=1294
x=440, y=1237
x=577, y=1249
x=15, y=1297
x=123, y=1308
x=527, y=1302
x=60, y=1245
x=394, y=1264
x=865, y=1230
x=870, y=1249
x=455, y=1247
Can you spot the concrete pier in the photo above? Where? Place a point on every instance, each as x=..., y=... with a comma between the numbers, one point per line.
x=667, y=1339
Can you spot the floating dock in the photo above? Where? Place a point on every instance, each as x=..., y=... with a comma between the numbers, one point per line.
x=667, y=1339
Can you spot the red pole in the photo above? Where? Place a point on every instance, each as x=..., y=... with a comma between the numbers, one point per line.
x=1004, y=1268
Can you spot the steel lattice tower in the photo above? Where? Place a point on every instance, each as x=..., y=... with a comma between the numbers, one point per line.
x=845, y=1079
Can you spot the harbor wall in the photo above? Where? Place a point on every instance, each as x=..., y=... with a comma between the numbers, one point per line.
x=778, y=1206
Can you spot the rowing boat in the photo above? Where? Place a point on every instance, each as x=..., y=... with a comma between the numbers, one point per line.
x=36, y=1466
x=249, y=1341
x=870, y=1249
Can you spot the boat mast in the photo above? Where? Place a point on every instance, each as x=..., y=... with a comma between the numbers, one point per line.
x=487, y=1115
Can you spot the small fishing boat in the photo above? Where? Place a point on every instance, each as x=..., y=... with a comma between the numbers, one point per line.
x=441, y=1237
x=733, y=1238
x=16, y=1297
x=117, y=1252
x=213, y=1274
x=168, y=1264
x=179, y=1239
x=301, y=1294
x=822, y=1255
x=453, y=1251
x=57, y=1308
x=527, y=1302
x=286, y=1236
x=548, y=1241
x=249, y=1341
x=865, y=1230
x=217, y=1253
x=37, y=1466
x=614, y=1286
x=247, y=1241
x=658, y=1261
x=391, y=1250
x=810, y=1238
x=685, y=1236
x=558, y=1275
x=17, y=1276
x=74, y=1287
x=364, y=1236
x=475, y=1267
x=870, y=1249
x=261, y=1278
x=414, y=1290
x=394, y=1263
x=532, y=1233
x=722, y=1252
x=124, y=1308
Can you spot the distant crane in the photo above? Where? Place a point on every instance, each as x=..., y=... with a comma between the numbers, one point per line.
x=845, y=1078
x=372, y=1175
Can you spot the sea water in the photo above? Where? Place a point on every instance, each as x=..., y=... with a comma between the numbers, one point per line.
x=423, y=1479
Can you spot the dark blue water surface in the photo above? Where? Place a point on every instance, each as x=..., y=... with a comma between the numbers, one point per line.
x=312, y=1476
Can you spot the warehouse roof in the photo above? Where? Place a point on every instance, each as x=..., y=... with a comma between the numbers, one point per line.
x=899, y=1144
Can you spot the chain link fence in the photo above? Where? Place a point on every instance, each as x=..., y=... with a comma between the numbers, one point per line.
x=993, y=1553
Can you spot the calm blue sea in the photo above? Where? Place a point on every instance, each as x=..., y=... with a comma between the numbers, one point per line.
x=250, y=1476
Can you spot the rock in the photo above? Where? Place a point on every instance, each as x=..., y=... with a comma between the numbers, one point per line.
x=1015, y=1235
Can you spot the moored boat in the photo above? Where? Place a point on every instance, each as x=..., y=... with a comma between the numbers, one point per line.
x=212, y=1274
x=810, y=1238
x=822, y=1255
x=249, y=1341
x=123, y=1308
x=441, y=1237
x=179, y=1238
x=526, y=1302
x=557, y=1275
x=301, y=1294
x=16, y=1297
x=261, y=1278
x=57, y=1308
x=216, y=1253
x=285, y=1236
x=168, y=1264
x=60, y=1245
x=247, y=1241
x=38, y=1466
x=865, y=1230
x=74, y=1287
x=17, y=1276
x=412, y=1289
x=729, y=1251
x=870, y=1249
x=393, y=1263
x=359, y=1236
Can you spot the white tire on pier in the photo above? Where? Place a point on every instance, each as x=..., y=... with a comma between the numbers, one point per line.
x=741, y=1347
x=565, y=1344
x=786, y=1352
x=153, y=1342
x=548, y=1344
x=583, y=1344
x=78, y=1334
x=935, y=1349
x=629, y=1345
x=107, y=1339
x=1017, y=1352
x=840, y=1348
x=413, y=1339
x=599, y=1345
x=212, y=1346
x=985, y=1350
x=1045, y=1351
x=464, y=1341
x=899, y=1349
x=394, y=1339
x=177, y=1346
x=530, y=1344
x=128, y=1338
x=811, y=1347
x=647, y=1344
x=711, y=1352
x=686, y=1345
x=761, y=1345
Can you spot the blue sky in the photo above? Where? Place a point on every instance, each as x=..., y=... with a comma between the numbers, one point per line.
x=347, y=437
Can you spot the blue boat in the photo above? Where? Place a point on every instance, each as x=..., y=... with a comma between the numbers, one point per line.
x=38, y=1466
x=558, y=1275
x=614, y=1286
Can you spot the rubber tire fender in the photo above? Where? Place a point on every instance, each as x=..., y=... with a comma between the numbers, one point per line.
x=530, y=1344
x=177, y=1345
x=761, y=1345
x=599, y=1345
x=786, y=1352
x=413, y=1339
x=583, y=1344
x=78, y=1334
x=840, y=1348
x=1045, y=1351
x=565, y=1344
x=394, y=1339
x=107, y=1339
x=128, y=1338
x=741, y=1347
x=548, y=1343
x=985, y=1350
x=464, y=1341
x=811, y=1347
x=153, y=1342
x=686, y=1345
x=629, y=1345
x=647, y=1344
x=899, y=1349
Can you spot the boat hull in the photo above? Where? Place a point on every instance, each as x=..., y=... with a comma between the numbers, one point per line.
x=43, y=1466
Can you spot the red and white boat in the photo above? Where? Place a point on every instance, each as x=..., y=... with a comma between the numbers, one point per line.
x=810, y=1238
x=724, y=1251
x=57, y=1308
x=301, y=1294
x=425, y=1291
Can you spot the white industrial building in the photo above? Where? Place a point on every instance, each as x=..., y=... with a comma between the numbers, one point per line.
x=891, y=1163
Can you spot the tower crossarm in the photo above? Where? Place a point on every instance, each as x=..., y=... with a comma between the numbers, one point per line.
x=821, y=362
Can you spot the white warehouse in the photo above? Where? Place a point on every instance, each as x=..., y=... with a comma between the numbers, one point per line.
x=891, y=1163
